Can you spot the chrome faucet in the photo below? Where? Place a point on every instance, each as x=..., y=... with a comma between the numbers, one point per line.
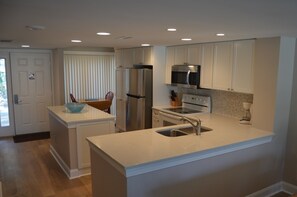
x=196, y=126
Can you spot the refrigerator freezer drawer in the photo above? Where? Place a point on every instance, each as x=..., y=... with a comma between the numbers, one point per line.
x=135, y=117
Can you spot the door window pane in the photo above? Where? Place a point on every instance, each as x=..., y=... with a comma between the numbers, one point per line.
x=4, y=112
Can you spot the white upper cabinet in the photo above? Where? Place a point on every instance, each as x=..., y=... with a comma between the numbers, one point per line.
x=180, y=55
x=143, y=55
x=119, y=57
x=147, y=55
x=128, y=57
x=207, y=65
x=222, y=67
x=194, y=54
x=242, y=80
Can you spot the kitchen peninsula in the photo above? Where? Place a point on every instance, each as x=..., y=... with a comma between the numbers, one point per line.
x=68, y=136
x=146, y=163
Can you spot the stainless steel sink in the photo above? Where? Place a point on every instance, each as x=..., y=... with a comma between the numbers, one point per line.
x=180, y=131
x=172, y=133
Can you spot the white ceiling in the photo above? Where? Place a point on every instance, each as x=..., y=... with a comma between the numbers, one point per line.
x=143, y=20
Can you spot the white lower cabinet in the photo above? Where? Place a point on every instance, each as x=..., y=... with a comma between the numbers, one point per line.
x=156, y=119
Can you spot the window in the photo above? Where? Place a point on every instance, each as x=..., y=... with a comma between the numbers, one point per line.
x=89, y=76
x=4, y=111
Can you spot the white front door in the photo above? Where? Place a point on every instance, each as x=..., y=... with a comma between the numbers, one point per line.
x=31, y=83
x=6, y=107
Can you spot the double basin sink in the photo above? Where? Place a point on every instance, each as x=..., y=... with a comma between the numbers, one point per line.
x=176, y=132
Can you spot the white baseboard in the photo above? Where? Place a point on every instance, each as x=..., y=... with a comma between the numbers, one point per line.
x=289, y=188
x=274, y=189
x=71, y=173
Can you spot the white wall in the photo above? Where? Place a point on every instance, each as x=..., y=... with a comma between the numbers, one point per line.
x=290, y=168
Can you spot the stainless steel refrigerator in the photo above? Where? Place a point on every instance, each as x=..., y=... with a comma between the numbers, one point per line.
x=139, y=97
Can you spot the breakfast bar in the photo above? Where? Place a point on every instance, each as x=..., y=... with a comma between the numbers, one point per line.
x=68, y=136
x=129, y=160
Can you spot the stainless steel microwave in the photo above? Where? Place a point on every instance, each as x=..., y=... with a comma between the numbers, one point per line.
x=186, y=76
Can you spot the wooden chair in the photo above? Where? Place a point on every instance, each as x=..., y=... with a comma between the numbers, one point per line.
x=109, y=96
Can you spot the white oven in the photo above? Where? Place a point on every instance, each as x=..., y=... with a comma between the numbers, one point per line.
x=191, y=104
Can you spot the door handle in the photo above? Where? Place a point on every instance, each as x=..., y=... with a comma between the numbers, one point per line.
x=16, y=99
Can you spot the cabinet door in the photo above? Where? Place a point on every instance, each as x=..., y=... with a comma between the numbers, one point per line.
x=207, y=66
x=147, y=55
x=119, y=57
x=156, y=119
x=222, y=68
x=180, y=55
x=138, y=56
x=242, y=80
x=128, y=57
x=169, y=63
x=194, y=54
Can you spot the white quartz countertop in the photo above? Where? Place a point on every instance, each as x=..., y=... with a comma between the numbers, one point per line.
x=142, y=151
x=87, y=115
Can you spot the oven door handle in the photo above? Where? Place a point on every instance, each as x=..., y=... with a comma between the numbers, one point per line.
x=170, y=115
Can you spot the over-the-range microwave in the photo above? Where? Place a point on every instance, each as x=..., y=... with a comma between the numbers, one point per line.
x=185, y=75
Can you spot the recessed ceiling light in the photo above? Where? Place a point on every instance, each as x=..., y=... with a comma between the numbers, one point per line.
x=171, y=29
x=103, y=33
x=145, y=45
x=220, y=34
x=25, y=46
x=77, y=41
x=186, y=39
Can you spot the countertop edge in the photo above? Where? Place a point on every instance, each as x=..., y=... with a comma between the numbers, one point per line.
x=179, y=160
x=74, y=124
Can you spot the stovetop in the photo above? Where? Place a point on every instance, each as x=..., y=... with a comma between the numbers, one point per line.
x=183, y=110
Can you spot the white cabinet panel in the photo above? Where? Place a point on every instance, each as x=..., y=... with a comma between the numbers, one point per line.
x=147, y=55
x=242, y=80
x=194, y=54
x=139, y=56
x=84, y=131
x=180, y=55
x=207, y=65
x=128, y=57
x=119, y=57
x=222, y=73
x=156, y=119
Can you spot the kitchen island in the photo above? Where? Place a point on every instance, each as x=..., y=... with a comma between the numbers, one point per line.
x=68, y=133
x=146, y=163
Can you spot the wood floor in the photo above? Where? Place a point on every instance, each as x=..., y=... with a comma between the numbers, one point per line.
x=27, y=169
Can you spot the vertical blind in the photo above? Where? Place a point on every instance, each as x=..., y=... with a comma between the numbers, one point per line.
x=89, y=76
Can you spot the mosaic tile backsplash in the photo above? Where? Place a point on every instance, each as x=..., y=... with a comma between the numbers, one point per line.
x=223, y=102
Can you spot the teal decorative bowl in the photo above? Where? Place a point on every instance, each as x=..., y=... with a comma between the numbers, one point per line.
x=75, y=107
